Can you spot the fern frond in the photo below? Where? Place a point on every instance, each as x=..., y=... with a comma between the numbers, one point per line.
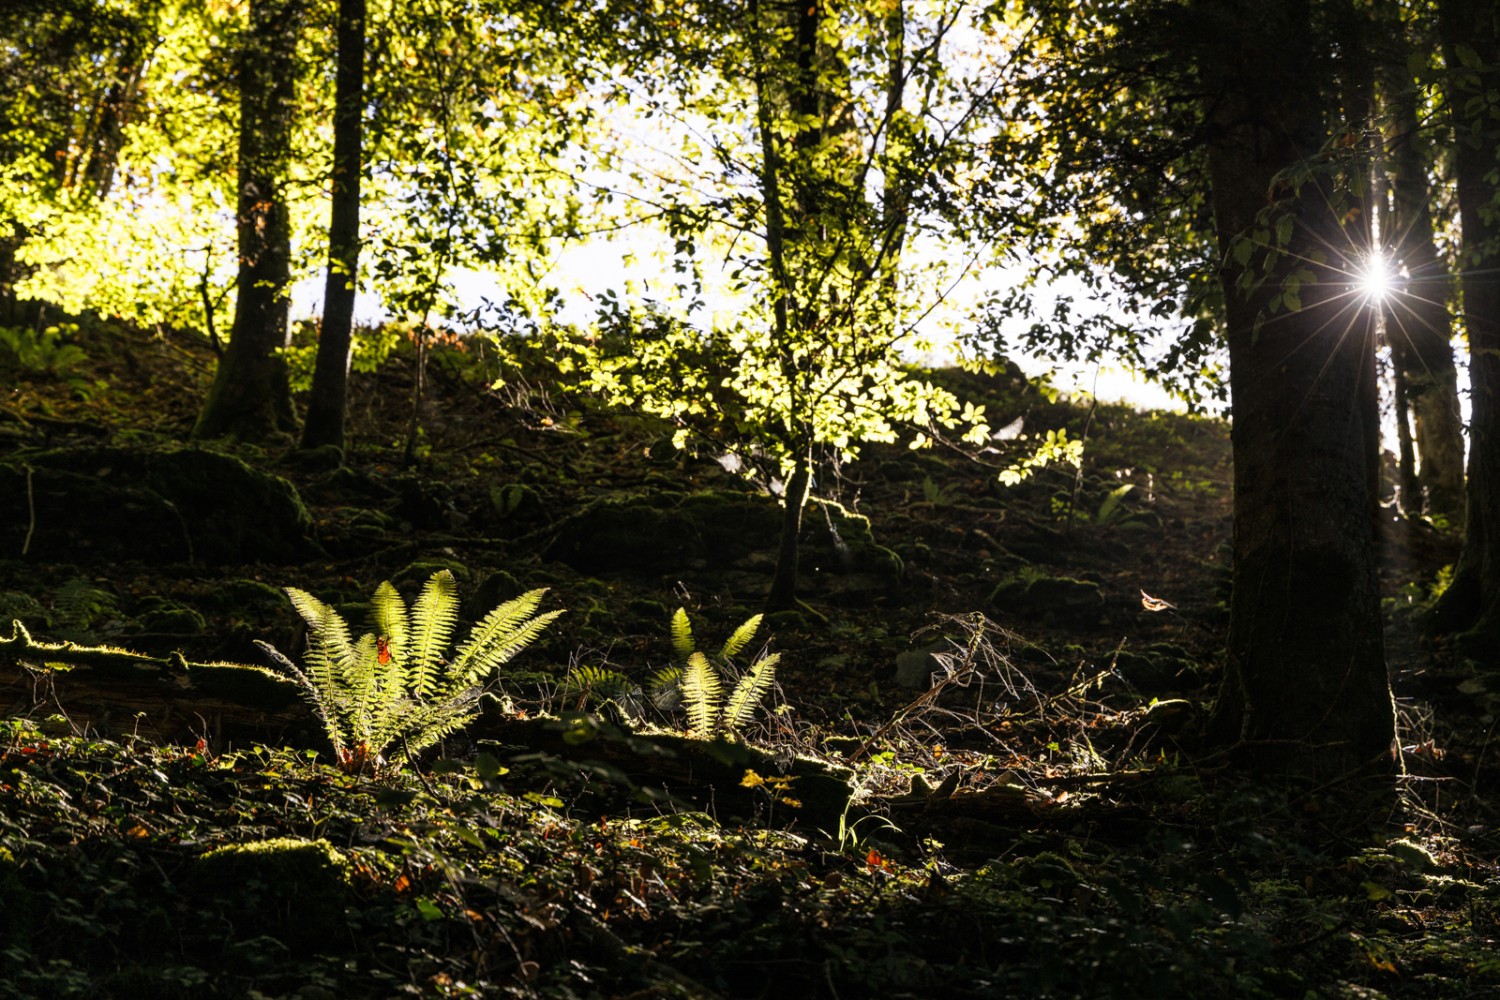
x=325, y=709
x=328, y=649
x=741, y=637
x=702, y=692
x=425, y=724
x=749, y=691
x=596, y=683
x=503, y=633
x=665, y=687
x=433, y=617
x=368, y=708
x=682, y=633
x=502, y=648
x=391, y=619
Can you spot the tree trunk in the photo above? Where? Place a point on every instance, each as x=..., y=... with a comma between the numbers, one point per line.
x=1306, y=686
x=783, y=594
x=326, y=406
x=250, y=398
x=1472, y=28
x=1417, y=323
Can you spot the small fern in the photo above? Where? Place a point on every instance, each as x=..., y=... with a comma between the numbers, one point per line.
x=394, y=685
x=603, y=688
x=700, y=682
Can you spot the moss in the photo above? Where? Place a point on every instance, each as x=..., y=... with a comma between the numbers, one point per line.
x=287, y=888
x=157, y=614
x=247, y=685
x=185, y=505
x=414, y=576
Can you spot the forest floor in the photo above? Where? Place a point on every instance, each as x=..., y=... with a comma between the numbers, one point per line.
x=1012, y=680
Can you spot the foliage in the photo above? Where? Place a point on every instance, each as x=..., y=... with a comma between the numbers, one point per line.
x=701, y=680
x=48, y=352
x=395, y=685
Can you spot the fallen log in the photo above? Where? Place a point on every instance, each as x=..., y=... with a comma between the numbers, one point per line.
x=115, y=693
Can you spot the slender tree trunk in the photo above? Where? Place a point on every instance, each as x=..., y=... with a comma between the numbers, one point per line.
x=1472, y=28
x=1417, y=323
x=1306, y=686
x=1408, y=487
x=251, y=398
x=326, y=406
x=783, y=595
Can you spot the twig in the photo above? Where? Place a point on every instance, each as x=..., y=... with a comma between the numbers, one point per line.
x=30, y=513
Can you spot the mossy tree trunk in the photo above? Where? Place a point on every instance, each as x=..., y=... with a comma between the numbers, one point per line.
x=250, y=397
x=326, y=405
x=1471, y=40
x=1306, y=686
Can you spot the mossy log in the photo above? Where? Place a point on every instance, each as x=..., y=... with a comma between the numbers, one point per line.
x=114, y=692
x=726, y=777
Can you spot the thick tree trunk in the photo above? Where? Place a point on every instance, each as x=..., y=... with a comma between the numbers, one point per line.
x=250, y=398
x=326, y=406
x=1472, y=28
x=1417, y=323
x=1306, y=686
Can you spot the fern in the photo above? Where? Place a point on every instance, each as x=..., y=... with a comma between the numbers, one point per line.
x=682, y=634
x=701, y=693
x=394, y=685
x=741, y=638
x=701, y=683
x=752, y=687
x=433, y=616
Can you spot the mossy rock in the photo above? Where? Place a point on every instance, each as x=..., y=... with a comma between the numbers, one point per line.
x=246, y=600
x=287, y=888
x=119, y=504
x=668, y=533
x=414, y=577
x=157, y=614
x=1054, y=598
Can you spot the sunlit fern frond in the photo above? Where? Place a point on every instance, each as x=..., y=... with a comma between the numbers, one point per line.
x=435, y=721
x=504, y=632
x=328, y=649
x=740, y=638
x=319, y=696
x=702, y=692
x=432, y=619
x=368, y=706
x=391, y=619
x=682, y=633
x=749, y=691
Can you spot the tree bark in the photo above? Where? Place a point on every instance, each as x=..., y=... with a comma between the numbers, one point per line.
x=326, y=407
x=1306, y=688
x=1471, y=40
x=251, y=397
x=1417, y=323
